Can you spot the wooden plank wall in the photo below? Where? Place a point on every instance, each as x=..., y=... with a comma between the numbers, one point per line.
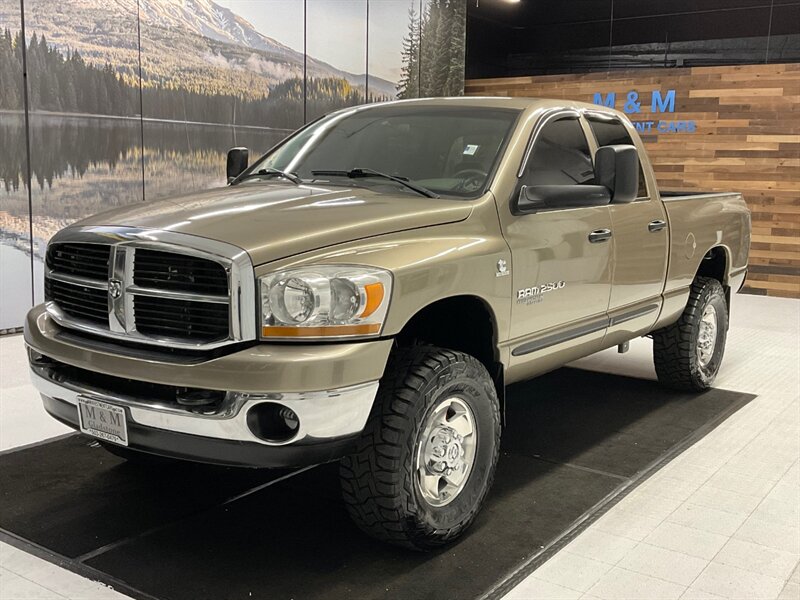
x=747, y=139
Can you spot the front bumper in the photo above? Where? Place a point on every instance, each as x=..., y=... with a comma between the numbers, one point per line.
x=332, y=408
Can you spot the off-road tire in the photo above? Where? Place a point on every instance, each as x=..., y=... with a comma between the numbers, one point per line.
x=675, y=346
x=378, y=480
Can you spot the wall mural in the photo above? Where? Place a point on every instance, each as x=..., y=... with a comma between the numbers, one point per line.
x=132, y=100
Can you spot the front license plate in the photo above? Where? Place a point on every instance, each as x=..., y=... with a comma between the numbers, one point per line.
x=102, y=420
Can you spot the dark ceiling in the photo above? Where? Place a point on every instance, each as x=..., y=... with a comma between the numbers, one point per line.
x=529, y=36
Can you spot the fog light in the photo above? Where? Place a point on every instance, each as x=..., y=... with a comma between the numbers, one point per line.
x=289, y=418
x=273, y=422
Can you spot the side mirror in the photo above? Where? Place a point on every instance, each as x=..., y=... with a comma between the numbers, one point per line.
x=237, y=162
x=617, y=168
x=533, y=198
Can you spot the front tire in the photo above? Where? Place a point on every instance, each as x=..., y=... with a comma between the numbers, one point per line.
x=688, y=353
x=427, y=457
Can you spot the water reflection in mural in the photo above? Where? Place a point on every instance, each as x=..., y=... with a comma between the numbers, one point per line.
x=88, y=165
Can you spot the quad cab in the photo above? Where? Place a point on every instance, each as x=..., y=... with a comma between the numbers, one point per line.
x=365, y=291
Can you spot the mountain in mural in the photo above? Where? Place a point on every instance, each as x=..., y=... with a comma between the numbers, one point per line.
x=195, y=45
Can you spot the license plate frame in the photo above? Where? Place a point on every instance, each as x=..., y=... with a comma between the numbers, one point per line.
x=102, y=420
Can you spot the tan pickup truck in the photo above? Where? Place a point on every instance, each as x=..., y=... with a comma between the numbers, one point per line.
x=366, y=290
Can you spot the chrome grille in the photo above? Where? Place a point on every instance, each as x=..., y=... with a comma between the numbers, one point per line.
x=82, y=260
x=178, y=272
x=78, y=301
x=151, y=286
x=205, y=321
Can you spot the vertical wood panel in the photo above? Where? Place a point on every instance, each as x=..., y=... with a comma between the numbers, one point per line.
x=747, y=140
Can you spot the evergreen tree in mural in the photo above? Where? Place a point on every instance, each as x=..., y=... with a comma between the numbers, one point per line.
x=433, y=51
x=11, y=71
x=408, y=86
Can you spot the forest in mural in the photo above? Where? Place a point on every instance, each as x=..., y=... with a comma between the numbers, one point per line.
x=131, y=100
x=62, y=81
x=433, y=51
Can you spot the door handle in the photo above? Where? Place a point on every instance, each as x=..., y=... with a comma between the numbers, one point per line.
x=656, y=225
x=599, y=235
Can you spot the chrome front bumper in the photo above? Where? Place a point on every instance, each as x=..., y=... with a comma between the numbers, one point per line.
x=322, y=416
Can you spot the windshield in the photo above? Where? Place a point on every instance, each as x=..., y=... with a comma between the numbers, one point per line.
x=451, y=151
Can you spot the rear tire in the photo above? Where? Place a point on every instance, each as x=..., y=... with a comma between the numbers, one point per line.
x=427, y=456
x=688, y=353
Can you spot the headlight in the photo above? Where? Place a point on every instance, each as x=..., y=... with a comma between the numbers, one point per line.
x=325, y=301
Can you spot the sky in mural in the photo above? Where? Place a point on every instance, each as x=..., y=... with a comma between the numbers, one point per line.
x=387, y=25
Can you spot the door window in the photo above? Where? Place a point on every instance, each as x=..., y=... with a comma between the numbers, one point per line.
x=609, y=132
x=560, y=156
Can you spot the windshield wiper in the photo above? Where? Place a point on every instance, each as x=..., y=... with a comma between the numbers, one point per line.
x=270, y=171
x=357, y=173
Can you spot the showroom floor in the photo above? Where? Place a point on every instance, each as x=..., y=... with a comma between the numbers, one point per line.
x=719, y=521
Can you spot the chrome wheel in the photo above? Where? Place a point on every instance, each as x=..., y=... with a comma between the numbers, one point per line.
x=445, y=452
x=707, y=336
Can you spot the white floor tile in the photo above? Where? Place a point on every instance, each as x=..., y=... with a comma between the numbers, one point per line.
x=725, y=500
x=757, y=558
x=572, y=571
x=795, y=576
x=791, y=591
x=600, y=545
x=668, y=565
x=732, y=582
x=628, y=525
x=768, y=533
x=14, y=587
x=778, y=512
x=66, y=583
x=621, y=584
x=707, y=519
x=680, y=538
x=693, y=594
x=537, y=589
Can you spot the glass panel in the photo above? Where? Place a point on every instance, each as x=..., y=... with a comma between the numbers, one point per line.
x=393, y=49
x=560, y=157
x=442, y=35
x=15, y=240
x=212, y=81
x=451, y=151
x=85, y=132
x=336, y=37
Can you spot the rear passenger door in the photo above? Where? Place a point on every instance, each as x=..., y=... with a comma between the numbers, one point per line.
x=641, y=240
x=561, y=271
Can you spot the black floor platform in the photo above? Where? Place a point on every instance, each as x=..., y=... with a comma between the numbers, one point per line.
x=575, y=442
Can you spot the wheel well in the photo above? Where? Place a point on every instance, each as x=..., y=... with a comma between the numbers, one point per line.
x=715, y=265
x=463, y=323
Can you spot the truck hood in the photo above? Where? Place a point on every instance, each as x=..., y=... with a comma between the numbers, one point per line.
x=272, y=220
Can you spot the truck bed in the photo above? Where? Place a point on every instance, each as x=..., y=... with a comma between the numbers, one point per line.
x=698, y=222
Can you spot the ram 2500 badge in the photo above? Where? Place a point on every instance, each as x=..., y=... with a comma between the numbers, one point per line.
x=366, y=290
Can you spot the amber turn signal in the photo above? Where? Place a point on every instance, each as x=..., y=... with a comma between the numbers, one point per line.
x=328, y=330
x=374, y=293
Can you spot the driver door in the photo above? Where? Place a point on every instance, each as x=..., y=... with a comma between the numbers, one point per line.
x=561, y=257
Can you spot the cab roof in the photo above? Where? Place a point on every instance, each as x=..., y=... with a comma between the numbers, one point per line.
x=516, y=103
